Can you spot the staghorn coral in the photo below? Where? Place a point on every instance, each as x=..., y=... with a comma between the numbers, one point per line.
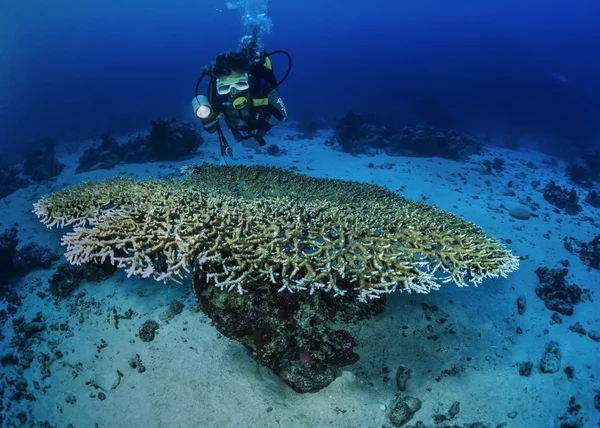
x=267, y=230
x=243, y=226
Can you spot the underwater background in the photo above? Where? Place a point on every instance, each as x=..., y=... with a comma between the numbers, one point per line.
x=73, y=69
x=487, y=111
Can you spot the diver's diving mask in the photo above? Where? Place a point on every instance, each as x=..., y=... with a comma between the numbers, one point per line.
x=240, y=83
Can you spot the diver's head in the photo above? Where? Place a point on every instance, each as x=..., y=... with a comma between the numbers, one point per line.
x=231, y=64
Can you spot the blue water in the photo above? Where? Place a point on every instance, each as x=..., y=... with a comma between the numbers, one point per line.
x=75, y=69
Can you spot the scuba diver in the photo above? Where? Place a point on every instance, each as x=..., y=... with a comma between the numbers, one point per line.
x=243, y=89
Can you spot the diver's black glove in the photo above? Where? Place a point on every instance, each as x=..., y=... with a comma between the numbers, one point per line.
x=258, y=135
x=263, y=125
x=237, y=135
x=254, y=140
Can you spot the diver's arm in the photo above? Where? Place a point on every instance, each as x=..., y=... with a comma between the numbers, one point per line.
x=207, y=113
x=210, y=123
x=274, y=112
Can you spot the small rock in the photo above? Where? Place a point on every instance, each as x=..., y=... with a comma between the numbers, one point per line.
x=556, y=318
x=9, y=359
x=148, y=330
x=402, y=377
x=557, y=294
x=136, y=363
x=454, y=409
x=273, y=150
x=33, y=328
x=551, y=359
x=404, y=410
x=525, y=368
x=512, y=415
x=20, y=384
x=521, y=304
x=594, y=335
x=71, y=399
x=578, y=328
x=570, y=372
x=439, y=418
x=175, y=308
x=572, y=418
x=520, y=213
x=593, y=198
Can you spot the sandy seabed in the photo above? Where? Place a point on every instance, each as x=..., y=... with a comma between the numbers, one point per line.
x=195, y=377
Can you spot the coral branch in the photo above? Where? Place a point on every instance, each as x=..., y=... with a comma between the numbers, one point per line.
x=246, y=226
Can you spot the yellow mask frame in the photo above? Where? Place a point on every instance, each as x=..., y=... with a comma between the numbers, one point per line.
x=239, y=82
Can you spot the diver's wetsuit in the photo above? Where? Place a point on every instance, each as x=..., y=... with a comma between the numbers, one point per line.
x=264, y=107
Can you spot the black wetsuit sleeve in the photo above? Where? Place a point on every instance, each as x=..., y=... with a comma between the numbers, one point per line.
x=210, y=123
x=274, y=111
x=276, y=106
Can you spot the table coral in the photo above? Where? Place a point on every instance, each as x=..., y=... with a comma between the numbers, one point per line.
x=270, y=234
x=247, y=225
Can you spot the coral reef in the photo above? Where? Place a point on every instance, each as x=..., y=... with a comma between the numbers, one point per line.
x=583, y=165
x=275, y=253
x=308, y=126
x=168, y=140
x=555, y=292
x=562, y=198
x=11, y=180
x=359, y=134
x=426, y=141
x=32, y=256
x=589, y=252
x=108, y=155
x=580, y=172
x=8, y=251
x=593, y=199
x=42, y=164
x=172, y=139
x=38, y=166
x=67, y=277
x=20, y=261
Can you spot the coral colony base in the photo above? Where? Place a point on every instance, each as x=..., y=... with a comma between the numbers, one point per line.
x=275, y=239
